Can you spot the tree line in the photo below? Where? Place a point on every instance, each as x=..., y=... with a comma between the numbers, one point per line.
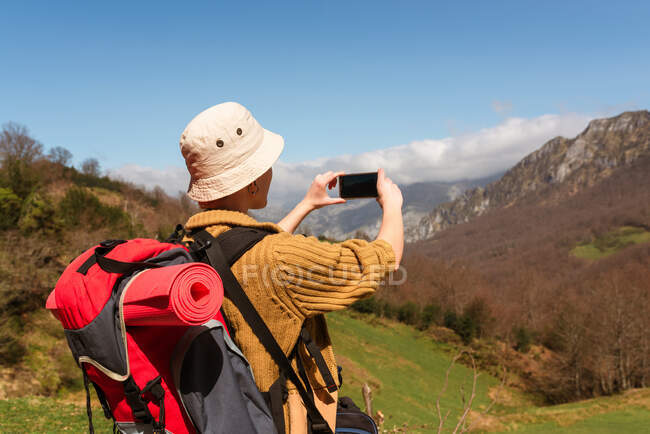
x=511, y=276
x=50, y=211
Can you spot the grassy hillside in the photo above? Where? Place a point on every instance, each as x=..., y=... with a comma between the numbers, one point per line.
x=405, y=369
x=612, y=242
x=562, y=268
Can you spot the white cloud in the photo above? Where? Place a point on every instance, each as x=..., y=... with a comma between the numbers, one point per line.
x=467, y=156
x=171, y=179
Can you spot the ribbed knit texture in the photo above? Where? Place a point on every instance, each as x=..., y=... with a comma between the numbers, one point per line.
x=291, y=279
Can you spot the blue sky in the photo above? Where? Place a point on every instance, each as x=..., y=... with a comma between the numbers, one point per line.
x=120, y=80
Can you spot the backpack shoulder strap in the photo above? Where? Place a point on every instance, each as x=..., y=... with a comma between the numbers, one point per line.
x=238, y=240
x=218, y=260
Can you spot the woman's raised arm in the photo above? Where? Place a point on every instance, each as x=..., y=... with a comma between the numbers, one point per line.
x=315, y=198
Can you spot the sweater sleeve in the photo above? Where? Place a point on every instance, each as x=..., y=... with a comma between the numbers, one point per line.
x=322, y=277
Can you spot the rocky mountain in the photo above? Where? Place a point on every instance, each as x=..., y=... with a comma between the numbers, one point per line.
x=361, y=218
x=603, y=146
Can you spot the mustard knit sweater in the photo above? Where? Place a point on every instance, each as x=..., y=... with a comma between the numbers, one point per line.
x=291, y=279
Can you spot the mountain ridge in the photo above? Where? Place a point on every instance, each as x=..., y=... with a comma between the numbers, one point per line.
x=589, y=157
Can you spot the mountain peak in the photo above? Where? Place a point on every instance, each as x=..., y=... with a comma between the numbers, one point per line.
x=605, y=145
x=626, y=121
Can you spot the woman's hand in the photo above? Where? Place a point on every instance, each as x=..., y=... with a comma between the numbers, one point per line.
x=390, y=196
x=317, y=196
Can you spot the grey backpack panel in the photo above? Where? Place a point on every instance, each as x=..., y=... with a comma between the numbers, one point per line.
x=101, y=340
x=216, y=385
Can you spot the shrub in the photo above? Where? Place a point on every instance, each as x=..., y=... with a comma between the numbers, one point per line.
x=11, y=349
x=367, y=305
x=408, y=313
x=388, y=310
x=478, y=315
x=20, y=177
x=430, y=315
x=80, y=206
x=10, y=205
x=451, y=320
x=467, y=328
x=38, y=214
x=523, y=339
x=467, y=325
x=89, y=180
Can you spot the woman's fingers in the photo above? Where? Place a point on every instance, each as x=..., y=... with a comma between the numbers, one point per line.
x=323, y=178
x=335, y=200
x=333, y=179
x=328, y=179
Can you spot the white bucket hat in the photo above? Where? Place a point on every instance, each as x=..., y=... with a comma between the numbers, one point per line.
x=225, y=149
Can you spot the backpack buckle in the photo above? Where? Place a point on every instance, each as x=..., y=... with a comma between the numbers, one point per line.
x=109, y=244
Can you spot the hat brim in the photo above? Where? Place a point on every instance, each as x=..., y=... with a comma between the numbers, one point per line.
x=233, y=180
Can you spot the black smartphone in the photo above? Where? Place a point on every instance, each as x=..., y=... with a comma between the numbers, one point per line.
x=358, y=185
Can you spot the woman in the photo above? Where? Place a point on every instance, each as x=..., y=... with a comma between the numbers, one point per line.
x=290, y=279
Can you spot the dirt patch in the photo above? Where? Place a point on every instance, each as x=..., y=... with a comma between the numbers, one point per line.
x=484, y=422
x=354, y=374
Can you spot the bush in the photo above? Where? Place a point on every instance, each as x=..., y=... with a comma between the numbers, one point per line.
x=388, y=310
x=523, y=339
x=10, y=205
x=450, y=320
x=467, y=328
x=89, y=180
x=80, y=206
x=11, y=349
x=478, y=315
x=430, y=315
x=408, y=313
x=468, y=325
x=367, y=305
x=20, y=177
x=38, y=214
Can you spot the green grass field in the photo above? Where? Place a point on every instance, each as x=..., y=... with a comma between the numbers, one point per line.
x=611, y=243
x=405, y=369
x=49, y=415
x=626, y=413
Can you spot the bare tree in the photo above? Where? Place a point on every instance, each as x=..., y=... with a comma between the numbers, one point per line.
x=60, y=155
x=462, y=425
x=90, y=166
x=17, y=144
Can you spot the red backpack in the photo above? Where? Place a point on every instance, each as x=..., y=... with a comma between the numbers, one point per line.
x=181, y=378
x=147, y=376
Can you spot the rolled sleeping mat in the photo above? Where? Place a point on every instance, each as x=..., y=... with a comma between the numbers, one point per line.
x=185, y=294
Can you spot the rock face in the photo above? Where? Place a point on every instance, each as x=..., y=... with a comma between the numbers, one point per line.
x=362, y=218
x=606, y=144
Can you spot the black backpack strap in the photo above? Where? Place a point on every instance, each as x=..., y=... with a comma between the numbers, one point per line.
x=275, y=398
x=89, y=410
x=103, y=401
x=238, y=240
x=138, y=405
x=111, y=265
x=177, y=236
x=236, y=294
x=315, y=354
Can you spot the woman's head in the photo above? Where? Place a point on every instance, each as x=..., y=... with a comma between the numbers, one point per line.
x=228, y=153
x=253, y=196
